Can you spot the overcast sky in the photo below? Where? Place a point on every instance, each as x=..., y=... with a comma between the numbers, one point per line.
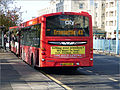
x=31, y=7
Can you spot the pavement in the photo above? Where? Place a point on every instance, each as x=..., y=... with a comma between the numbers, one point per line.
x=105, y=53
x=17, y=75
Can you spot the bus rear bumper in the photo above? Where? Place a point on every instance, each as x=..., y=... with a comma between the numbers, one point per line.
x=86, y=62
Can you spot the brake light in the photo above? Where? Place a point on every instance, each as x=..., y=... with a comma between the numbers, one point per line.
x=91, y=49
x=91, y=59
x=43, y=59
x=43, y=49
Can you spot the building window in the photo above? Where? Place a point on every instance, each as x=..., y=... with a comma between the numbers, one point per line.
x=81, y=5
x=96, y=14
x=56, y=9
x=61, y=0
x=111, y=13
x=103, y=23
x=96, y=5
x=95, y=23
x=106, y=5
x=111, y=4
x=103, y=5
x=111, y=23
x=103, y=14
x=106, y=14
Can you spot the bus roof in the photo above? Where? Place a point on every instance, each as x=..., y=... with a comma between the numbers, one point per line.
x=14, y=27
x=67, y=13
x=41, y=18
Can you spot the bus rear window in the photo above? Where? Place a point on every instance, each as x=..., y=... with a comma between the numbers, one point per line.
x=67, y=25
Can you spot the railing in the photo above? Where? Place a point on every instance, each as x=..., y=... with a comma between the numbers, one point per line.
x=105, y=45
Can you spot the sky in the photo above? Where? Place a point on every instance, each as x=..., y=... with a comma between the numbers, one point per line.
x=30, y=7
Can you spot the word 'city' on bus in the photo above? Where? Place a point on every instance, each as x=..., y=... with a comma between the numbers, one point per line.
x=55, y=40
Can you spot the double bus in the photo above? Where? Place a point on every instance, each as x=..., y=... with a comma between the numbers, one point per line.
x=14, y=39
x=62, y=39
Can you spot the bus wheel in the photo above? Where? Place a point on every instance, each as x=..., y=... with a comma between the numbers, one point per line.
x=32, y=61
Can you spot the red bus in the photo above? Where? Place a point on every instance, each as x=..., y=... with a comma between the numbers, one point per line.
x=63, y=39
x=14, y=39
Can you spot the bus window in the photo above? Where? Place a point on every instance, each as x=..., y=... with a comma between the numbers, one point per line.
x=31, y=36
x=67, y=25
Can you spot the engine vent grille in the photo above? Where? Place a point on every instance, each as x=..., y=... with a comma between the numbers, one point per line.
x=67, y=43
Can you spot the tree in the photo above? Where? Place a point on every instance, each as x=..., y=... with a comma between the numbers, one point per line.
x=9, y=16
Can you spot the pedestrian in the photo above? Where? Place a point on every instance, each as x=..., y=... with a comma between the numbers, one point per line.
x=5, y=41
x=13, y=38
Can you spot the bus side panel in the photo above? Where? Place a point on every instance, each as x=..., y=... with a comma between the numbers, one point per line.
x=15, y=47
x=30, y=53
x=33, y=55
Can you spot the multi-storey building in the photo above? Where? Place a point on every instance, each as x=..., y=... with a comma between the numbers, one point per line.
x=49, y=9
x=111, y=18
x=99, y=14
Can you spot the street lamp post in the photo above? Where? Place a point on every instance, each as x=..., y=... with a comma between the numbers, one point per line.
x=117, y=30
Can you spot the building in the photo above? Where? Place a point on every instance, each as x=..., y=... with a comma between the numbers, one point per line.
x=111, y=18
x=49, y=9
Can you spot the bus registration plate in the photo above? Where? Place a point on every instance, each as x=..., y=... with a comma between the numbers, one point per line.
x=67, y=64
x=65, y=51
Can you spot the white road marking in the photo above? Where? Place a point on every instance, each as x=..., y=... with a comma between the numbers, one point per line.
x=89, y=71
x=113, y=79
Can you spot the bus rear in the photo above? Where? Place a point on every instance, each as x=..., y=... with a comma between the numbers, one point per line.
x=14, y=39
x=66, y=40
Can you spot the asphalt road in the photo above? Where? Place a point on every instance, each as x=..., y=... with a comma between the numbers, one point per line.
x=104, y=75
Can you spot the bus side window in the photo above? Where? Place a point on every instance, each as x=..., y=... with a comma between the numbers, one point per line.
x=31, y=36
x=37, y=38
x=36, y=29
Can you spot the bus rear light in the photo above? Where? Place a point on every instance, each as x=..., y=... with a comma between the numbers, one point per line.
x=43, y=53
x=91, y=49
x=43, y=49
x=77, y=63
x=43, y=59
x=91, y=59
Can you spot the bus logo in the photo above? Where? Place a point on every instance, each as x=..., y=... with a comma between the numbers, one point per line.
x=70, y=22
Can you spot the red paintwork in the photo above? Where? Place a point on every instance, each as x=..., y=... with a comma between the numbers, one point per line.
x=12, y=46
x=27, y=51
x=14, y=27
